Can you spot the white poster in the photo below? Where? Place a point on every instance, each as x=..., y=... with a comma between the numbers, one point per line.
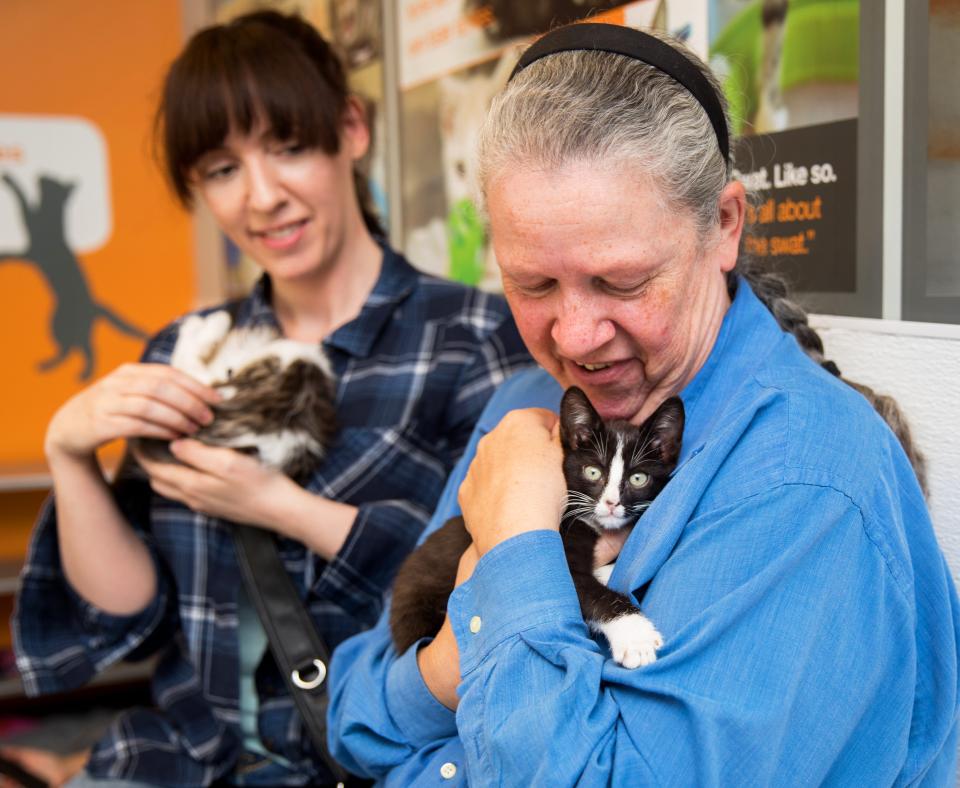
x=438, y=37
x=58, y=165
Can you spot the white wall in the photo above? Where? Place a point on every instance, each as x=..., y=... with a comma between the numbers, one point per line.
x=919, y=365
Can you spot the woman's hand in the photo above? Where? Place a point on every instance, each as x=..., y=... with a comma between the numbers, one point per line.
x=515, y=482
x=135, y=400
x=218, y=481
x=235, y=486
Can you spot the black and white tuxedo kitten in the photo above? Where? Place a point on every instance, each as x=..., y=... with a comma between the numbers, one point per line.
x=278, y=394
x=613, y=470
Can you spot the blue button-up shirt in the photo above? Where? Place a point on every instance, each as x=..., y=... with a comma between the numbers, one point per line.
x=414, y=370
x=810, y=620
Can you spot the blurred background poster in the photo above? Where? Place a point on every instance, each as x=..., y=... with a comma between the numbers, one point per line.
x=94, y=254
x=454, y=57
x=790, y=70
x=943, y=150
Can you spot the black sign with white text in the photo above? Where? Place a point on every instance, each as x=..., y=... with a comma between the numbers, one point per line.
x=803, y=216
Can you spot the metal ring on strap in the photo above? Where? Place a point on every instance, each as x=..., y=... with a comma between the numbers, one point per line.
x=309, y=684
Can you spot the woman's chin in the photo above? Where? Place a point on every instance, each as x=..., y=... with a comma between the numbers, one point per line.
x=615, y=405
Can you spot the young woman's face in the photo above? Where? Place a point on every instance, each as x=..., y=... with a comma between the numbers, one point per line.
x=611, y=289
x=289, y=208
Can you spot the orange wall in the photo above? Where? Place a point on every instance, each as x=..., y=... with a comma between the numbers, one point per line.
x=102, y=61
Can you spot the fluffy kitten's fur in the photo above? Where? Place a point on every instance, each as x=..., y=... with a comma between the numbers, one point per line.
x=613, y=472
x=277, y=393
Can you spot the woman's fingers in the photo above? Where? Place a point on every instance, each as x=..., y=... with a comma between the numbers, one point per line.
x=128, y=427
x=135, y=400
x=170, y=387
x=515, y=481
x=155, y=412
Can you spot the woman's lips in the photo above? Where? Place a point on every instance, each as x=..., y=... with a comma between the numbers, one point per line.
x=282, y=237
x=598, y=373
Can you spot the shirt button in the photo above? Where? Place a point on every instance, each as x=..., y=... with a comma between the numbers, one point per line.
x=448, y=771
x=475, y=624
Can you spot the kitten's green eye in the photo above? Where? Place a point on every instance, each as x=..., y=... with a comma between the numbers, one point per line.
x=591, y=473
x=638, y=479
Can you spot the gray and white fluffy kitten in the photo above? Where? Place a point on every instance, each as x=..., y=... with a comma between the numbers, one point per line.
x=613, y=470
x=278, y=393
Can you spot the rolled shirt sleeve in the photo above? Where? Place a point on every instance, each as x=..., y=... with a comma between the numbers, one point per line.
x=62, y=641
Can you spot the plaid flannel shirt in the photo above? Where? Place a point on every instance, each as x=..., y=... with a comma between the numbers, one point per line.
x=414, y=370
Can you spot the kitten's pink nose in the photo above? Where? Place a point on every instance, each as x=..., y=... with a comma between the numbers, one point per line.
x=611, y=505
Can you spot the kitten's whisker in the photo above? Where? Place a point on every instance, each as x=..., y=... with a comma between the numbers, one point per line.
x=595, y=440
x=643, y=452
x=576, y=511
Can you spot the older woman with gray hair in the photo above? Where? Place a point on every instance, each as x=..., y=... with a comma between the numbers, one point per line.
x=810, y=622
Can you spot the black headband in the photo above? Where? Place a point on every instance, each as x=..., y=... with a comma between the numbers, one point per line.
x=640, y=46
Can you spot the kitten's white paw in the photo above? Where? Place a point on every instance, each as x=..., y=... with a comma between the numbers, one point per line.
x=196, y=339
x=633, y=639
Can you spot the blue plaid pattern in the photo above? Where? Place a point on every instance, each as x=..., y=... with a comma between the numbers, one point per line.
x=414, y=371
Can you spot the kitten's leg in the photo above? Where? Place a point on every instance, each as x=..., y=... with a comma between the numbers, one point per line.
x=633, y=639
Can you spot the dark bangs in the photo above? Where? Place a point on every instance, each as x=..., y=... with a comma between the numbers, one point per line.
x=230, y=77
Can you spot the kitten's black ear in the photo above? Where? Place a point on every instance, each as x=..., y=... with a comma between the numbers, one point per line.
x=666, y=429
x=578, y=419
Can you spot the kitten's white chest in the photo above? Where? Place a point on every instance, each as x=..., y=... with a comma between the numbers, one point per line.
x=602, y=573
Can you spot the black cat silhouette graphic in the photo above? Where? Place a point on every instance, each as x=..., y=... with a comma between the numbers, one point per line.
x=75, y=308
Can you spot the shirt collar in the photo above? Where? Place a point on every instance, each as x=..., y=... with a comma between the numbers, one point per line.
x=748, y=334
x=396, y=281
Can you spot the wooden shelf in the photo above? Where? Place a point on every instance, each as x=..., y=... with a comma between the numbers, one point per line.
x=15, y=477
x=16, y=481
x=10, y=575
x=120, y=673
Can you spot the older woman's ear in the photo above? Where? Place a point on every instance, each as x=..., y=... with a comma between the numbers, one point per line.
x=732, y=212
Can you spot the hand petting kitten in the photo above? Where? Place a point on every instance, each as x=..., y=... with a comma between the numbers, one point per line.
x=135, y=400
x=587, y=478
x=269, y=423
x=515, y=483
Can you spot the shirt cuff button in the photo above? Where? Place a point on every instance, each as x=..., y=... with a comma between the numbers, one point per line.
x=448, y=771
x=475, y=624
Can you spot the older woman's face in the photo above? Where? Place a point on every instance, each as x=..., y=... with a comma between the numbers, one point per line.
x=611, y=289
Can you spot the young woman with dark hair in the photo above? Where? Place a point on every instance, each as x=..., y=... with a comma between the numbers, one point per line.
x=256, y=121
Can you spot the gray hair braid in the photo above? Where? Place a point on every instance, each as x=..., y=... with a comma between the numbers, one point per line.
x=603, y=107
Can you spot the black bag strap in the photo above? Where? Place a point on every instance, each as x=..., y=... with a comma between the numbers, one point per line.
x=300, y=652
